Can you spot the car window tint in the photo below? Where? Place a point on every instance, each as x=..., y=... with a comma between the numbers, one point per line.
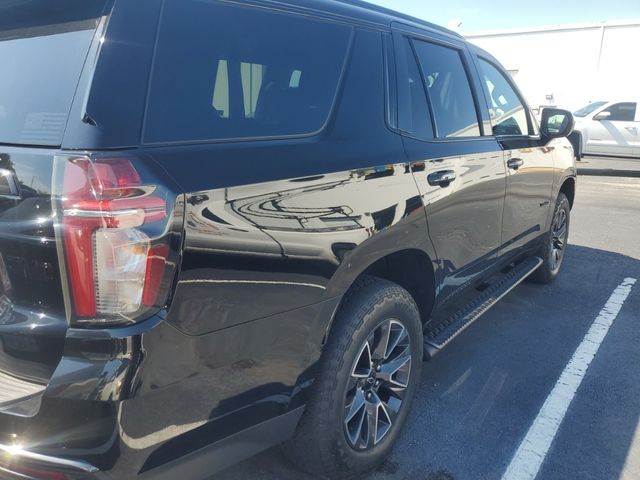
x=592, y=107
x=419, y=119
x=449, y=91
x=226, y=71
x=622, y=112
x=508, y=114
x=43, y=46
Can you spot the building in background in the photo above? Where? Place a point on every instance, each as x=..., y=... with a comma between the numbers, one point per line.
x=570, y=65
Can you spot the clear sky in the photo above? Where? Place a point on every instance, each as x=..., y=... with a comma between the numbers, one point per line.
x=478, y=15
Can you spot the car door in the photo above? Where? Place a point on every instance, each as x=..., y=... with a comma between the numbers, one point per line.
x=460, y=172
x=530, y=171
x=614, y=131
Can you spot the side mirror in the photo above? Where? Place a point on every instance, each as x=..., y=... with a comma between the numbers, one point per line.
x=602, y=116
x=556, y=123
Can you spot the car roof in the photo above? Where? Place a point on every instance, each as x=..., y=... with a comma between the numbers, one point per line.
x=362, y=11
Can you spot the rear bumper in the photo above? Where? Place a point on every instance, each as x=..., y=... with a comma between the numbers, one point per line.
x=147, y=401
x=19, y=463
x=69, y=429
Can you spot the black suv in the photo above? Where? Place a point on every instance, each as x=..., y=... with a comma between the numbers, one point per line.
x=229, y=224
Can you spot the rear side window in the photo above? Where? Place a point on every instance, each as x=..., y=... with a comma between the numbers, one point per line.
x=449, y=90
x=43, y=46
x=225, y=71
x=507, y=113
x=622, y=112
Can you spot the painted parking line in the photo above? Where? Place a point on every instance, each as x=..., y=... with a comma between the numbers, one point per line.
x=532, y=451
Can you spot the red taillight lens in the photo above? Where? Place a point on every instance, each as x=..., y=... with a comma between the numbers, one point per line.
x=112, y=227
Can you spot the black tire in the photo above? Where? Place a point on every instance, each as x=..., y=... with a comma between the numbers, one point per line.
x=322, y=445
x=554, y=243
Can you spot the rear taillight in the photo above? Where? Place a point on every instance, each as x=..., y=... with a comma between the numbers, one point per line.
x=116, y=232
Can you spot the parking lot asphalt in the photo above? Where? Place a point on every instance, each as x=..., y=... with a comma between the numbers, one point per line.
x=480, y=396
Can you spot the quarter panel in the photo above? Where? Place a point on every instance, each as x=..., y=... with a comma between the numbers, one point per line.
x=258, y=250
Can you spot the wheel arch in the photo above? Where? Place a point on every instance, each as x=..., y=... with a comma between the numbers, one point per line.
x=568, y=187
x=412, y=269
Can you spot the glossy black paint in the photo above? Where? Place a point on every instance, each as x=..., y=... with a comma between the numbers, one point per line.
x=274, y=233
x=32, y=318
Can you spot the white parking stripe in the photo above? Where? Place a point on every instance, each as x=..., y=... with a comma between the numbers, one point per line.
x=532, y=451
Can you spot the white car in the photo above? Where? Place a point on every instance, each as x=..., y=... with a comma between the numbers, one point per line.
x=609, y=128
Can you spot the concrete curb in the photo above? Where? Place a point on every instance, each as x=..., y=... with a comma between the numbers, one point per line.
x=608, y=172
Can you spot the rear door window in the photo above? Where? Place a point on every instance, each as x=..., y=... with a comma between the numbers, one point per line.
x=622, y=112
x=43, y=46
x=506, y=110
x=226, y=71
x=448, y=89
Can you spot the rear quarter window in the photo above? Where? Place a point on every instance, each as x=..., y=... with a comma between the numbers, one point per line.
x=43, y=46
x=226, y=71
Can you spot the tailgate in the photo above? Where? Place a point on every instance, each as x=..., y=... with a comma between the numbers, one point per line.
x=43, y=47
x=32, y=314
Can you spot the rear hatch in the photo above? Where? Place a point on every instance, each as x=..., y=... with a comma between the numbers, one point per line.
x=43, y=47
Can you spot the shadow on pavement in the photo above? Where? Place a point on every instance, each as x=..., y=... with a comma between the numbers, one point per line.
x=609, y=166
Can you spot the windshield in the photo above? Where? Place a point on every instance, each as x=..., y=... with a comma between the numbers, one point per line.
x=42, y=51
x=592, y=107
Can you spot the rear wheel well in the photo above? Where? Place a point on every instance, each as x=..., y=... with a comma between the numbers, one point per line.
x=569, y=189
x=413, y=271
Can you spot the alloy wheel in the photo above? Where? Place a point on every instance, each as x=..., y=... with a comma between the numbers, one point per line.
x=559, y=234
x=377, y=385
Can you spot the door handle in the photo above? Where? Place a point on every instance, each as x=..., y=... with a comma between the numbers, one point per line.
x=442, y=178
x=515, y=163
x=633, y=130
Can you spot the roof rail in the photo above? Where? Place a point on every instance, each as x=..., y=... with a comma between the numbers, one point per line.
x=392, y=13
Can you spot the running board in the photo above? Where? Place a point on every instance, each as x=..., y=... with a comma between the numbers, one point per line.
x=436, y=338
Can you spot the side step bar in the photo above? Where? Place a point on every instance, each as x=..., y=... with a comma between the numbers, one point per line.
x=441, y=334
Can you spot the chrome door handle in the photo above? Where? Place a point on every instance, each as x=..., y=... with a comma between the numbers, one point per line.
x=515, y=163
x=442, y=178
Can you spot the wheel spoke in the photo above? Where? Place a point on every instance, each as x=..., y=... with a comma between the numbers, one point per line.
x=397, y=335
x=384, y=421
x=382, y=341
x=561, y=231
x=356, y=405
x=396, y=372
x=356, y=418
x=392, y=407
x=362, y=367
x=373, y=407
